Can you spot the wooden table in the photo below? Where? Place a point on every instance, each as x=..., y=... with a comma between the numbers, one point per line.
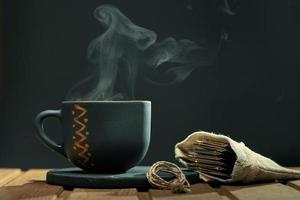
x=17, y=184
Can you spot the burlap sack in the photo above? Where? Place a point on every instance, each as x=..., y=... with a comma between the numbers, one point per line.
x=248, y=167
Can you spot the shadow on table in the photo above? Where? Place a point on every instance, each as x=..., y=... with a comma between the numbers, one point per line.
x=33, y=189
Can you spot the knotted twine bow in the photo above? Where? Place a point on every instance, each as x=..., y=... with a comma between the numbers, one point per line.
x=178, y=185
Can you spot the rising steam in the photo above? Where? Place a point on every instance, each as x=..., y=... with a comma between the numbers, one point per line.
x=125, y=48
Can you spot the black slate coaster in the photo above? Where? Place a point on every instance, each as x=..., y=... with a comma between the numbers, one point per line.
x=133, y=178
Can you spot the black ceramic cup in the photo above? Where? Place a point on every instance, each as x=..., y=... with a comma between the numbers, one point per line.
x=101, y=136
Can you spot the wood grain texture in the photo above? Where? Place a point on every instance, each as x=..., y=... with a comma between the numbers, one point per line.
x=225, y=198
x=15, y=184
x=64, y=195
x=225, y=194
x=143, y=195
x=199, y=191
x=7, y=175
x=30, y=185
x=29, y=176
x=105, y=194
x=270, y=191
x=34, y=190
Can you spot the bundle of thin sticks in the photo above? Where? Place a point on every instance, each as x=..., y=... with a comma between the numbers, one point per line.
x=218, y=157
x=211, y=157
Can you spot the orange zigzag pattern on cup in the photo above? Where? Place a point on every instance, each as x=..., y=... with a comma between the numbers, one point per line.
x=79, y=144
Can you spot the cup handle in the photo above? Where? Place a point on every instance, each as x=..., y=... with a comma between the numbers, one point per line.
x=39, y=123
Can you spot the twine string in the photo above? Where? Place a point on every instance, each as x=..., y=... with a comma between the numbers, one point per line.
x=178, y=185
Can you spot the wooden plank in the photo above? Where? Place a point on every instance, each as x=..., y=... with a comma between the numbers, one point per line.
x=36, y=190
x=7, y=175
x=64, y=195
x=225, y=194
x=30, y=185
x=270, y=191
x=29, y=176
x=199, y=191
x=105, y=194
x=225, y=198
x=143, y=195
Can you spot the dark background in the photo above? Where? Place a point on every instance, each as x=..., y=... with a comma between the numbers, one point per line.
x=251, y=92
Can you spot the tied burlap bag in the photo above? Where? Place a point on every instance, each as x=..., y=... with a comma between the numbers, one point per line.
x=219, y=158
